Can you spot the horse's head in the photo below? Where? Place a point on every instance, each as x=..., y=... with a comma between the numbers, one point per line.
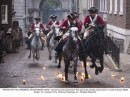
x=74, y=33
x=99, y=35
x=99, y=27
x=57, y=31
x=37, y=31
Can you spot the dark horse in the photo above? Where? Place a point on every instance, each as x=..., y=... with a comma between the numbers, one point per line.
x=94, y=47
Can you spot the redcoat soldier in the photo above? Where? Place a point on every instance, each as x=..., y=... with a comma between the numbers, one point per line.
x=52, y=24
x=66, y=25
x=39, y=25
x=92, y=20
x=53, y=21
x=76, y=16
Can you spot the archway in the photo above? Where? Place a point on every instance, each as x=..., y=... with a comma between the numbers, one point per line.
x=48, y=7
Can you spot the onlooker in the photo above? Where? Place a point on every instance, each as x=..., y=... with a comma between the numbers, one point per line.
x=16, y=39
x=1, y=45
x=21, y=37
x=8, y=41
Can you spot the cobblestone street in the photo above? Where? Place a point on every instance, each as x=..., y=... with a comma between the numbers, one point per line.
x=19, y=72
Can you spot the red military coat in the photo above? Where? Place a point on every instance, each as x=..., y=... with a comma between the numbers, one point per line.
x=80, y=25
x=67, y=24
x=50, y=23
x=98, y=20
x=37, y=25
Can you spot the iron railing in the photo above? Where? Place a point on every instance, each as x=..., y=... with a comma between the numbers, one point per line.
x=114, y=51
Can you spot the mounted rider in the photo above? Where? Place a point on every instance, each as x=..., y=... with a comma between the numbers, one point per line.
x=39, y=25
x=91, y=21
x=66, y=25
x=52, y=23
x=80, y=24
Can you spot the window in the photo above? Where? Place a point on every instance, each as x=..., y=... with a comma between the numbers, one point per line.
x=115, y=12
x=88, y=4
x=92, y=3
x=121, y=7
x=100, y=5
x=4, y=14
x=105, y=5
x=110, y=7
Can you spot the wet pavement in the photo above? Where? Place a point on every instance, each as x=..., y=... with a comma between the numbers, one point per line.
x=20, y=72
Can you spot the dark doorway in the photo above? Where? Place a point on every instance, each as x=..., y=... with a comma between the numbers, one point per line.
x=49, y=7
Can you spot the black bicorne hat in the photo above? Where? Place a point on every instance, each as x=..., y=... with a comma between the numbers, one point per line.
x=70, y=16
x=53, y=16
x=93, y=10
x=37, y=18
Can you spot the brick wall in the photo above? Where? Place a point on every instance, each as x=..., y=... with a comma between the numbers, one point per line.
x=127, y=14
x=116, y=19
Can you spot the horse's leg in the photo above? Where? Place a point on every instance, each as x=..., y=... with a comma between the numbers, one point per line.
x=85, y=68
x=93, y=60
x=67, y=63
x=101, y=63
x=2, y=59
x=49, y=49
x=33, y=51
x=56, y=57
x=60, y=58
x=37, y=54
x=94, y=64
x=50, y=56
x=75, y=69
x=30, y=53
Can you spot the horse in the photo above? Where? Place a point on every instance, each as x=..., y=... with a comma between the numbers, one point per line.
x=52, y=40
x=70, y=52
x=94, y=48
x=36, y=44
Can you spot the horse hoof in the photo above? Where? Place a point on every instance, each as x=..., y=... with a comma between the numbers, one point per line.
x=100, y=69
x=29, y=57
x=96, y=71
x=92, y=66
x=66, y=82
x=75, y=81
x=86, y=77
x=58, y=66
x=37, y=58
x=70, y=66
x=50, y=57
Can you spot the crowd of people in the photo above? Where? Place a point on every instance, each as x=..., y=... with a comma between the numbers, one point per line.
x=10, y=41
